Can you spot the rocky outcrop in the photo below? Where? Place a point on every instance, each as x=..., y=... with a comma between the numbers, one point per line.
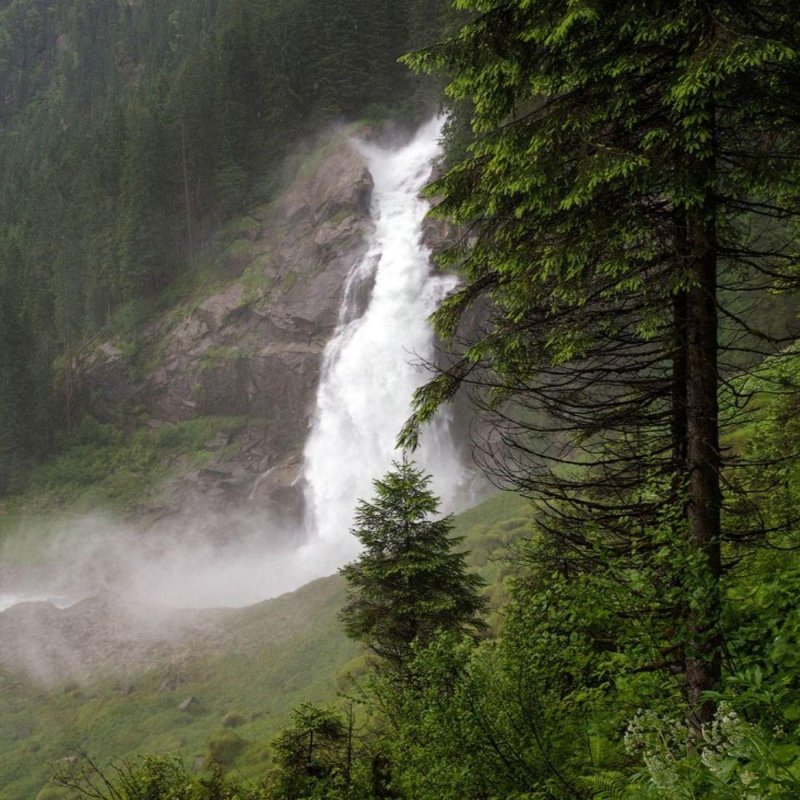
x=102, y=634
x=253, y=348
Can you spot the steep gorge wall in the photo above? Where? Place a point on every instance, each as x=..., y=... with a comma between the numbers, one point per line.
x=253, y=348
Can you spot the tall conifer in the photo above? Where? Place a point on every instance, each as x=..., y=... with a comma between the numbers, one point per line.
x=409, y=583
x=627, y=159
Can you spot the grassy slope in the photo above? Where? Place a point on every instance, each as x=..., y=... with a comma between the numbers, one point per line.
x=274, y=655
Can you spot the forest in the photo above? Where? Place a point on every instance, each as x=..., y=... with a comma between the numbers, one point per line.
x=129, y=132
x=625, y=182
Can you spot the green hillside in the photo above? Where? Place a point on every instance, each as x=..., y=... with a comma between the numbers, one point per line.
x=246, y=675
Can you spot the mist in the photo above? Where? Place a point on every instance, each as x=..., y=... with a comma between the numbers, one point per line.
x=200, y=559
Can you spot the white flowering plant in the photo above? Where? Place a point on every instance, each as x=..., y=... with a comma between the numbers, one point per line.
x=735, y=760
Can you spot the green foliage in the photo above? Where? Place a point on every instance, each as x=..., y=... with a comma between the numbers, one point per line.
x=223, y=748
x=101, y=465
x=129, y=132
x=569, y=702
x=617, y=179
x=540, y=712
x=151, y=777
x=408, y=583
x=312, y=755
x=525, y=715
x=233, y=719
x=582, y=117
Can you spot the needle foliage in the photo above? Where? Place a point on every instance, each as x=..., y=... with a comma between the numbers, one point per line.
x=409, y=583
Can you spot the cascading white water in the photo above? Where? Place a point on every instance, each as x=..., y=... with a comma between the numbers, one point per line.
x=368, y=379
x=371, y=366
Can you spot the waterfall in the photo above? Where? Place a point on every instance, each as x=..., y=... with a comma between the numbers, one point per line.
x=372, y=365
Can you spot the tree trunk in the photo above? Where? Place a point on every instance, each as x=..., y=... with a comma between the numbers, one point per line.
x=679, y=388
x=703, y=659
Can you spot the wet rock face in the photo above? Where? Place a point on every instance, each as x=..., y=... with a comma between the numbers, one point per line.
x=254, y=348
x=281, y=490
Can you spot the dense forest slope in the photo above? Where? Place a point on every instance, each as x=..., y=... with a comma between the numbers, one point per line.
x=129, y=132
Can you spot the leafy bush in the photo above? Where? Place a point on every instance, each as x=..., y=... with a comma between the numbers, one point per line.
x=153, y=778
x=224, y=746
x=233, y=719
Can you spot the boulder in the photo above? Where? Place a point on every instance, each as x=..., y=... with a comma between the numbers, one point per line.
x=190, y=704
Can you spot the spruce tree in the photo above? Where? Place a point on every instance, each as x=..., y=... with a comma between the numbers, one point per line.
x=408, y=583
x=634, y=170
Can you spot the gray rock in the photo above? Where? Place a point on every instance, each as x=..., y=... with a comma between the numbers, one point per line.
x=191, y=703
x=253, y=349
x=279, y=490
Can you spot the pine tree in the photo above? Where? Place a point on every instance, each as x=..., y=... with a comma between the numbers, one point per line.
x=313, y=754
x=409, y=583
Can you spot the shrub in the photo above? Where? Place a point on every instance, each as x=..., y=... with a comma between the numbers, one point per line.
x=223, y=747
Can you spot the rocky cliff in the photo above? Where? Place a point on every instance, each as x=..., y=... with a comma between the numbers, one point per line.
x=252, y=348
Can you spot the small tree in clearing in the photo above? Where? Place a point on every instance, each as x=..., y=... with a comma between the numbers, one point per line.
x=408, y=583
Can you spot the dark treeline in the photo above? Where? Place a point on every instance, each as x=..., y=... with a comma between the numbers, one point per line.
x=128, y=131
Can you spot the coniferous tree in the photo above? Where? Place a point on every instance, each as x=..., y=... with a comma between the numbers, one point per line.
x=314, y=754
x=618, y=189
x=408, y=583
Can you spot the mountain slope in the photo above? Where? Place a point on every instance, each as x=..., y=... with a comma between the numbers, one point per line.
x=130, y=133
x=245, y=668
